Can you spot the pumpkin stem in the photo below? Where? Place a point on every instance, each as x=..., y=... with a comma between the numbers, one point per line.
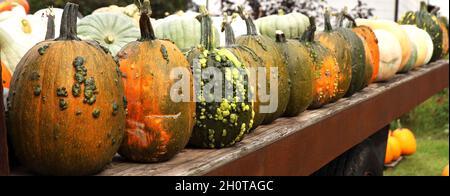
x=69, y=23
x=50, y=25
x=147, y=32
x=230, y=40
x=280, y=37
x=207, y=38
x=251, y=28
x=423, y=6
x=341, y=17
x=399, y=124
x=328, y=26
x=435, y=10
x=308, y=35
x=345, y=15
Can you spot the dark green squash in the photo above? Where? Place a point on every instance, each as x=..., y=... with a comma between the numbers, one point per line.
x=428, y=22
x=220, y=123
x=251, y=60
x=358, y=57
x=268, y=51
x=338, y=44
x=301, y=71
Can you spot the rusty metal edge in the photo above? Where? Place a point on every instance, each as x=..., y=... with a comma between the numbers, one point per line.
x=308, y=150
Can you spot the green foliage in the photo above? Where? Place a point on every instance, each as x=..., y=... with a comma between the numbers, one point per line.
x=160, y=7
x=430, y=159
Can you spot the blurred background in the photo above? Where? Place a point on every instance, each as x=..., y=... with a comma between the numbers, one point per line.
x=385, y=9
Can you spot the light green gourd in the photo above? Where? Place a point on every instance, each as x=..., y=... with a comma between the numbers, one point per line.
x=111, y=30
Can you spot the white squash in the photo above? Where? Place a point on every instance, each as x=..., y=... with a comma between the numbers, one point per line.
x=43, y=16
x=396, y=30
x=131, y=11
x=390, y=55
x=430, y=45
x=16, y=11
x=111, y=30
x=18, y=34
x=421, y=43
x=238, y=25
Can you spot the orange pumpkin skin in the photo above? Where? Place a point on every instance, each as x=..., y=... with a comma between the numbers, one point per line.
x=341, y=49
x=445, y=172
x=325, y=67
x=56, y=129
x=444, y=38
x=389, y=156
x=6, y=76
x=373, y=54
x=396, y=149
x=407, y=141
x=157, y=128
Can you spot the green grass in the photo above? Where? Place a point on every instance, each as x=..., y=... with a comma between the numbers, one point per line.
x=430, y=124
x=430, y=159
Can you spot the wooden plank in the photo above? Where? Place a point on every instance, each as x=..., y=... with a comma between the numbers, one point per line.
x=301, y=145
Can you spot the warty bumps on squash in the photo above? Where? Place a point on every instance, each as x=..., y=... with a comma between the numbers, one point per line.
x=338, y=44
x=220, y=123
x=358, y=57
x=428, y=22
x=66, y=105
x=250, y=59
x=267, y=49
x=326, y=71
x=301, y=71
x=157, y=128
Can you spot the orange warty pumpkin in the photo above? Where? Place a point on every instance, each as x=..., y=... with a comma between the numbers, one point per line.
x=326, y=70
x=157, y=128
x=341, y=49
x=445, y=172
x=407, y=141
x=66, y=108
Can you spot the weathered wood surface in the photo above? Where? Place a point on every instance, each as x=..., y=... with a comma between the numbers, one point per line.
x=216, y=162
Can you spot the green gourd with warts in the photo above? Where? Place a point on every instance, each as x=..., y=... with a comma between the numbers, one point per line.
x=341, y=48
x=428, y=22
x=250, y=59
x=272, y=58
x=358, y=54
x=222, y=118
x=301, y=71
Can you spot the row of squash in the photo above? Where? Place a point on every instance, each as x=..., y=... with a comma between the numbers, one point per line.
x=74, y=104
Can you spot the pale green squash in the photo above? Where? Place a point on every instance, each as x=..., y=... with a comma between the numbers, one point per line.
x=111, y=30
x=183, y=29
x=293, y=25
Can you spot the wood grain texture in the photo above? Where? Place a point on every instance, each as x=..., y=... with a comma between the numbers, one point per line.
x=254, y=151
